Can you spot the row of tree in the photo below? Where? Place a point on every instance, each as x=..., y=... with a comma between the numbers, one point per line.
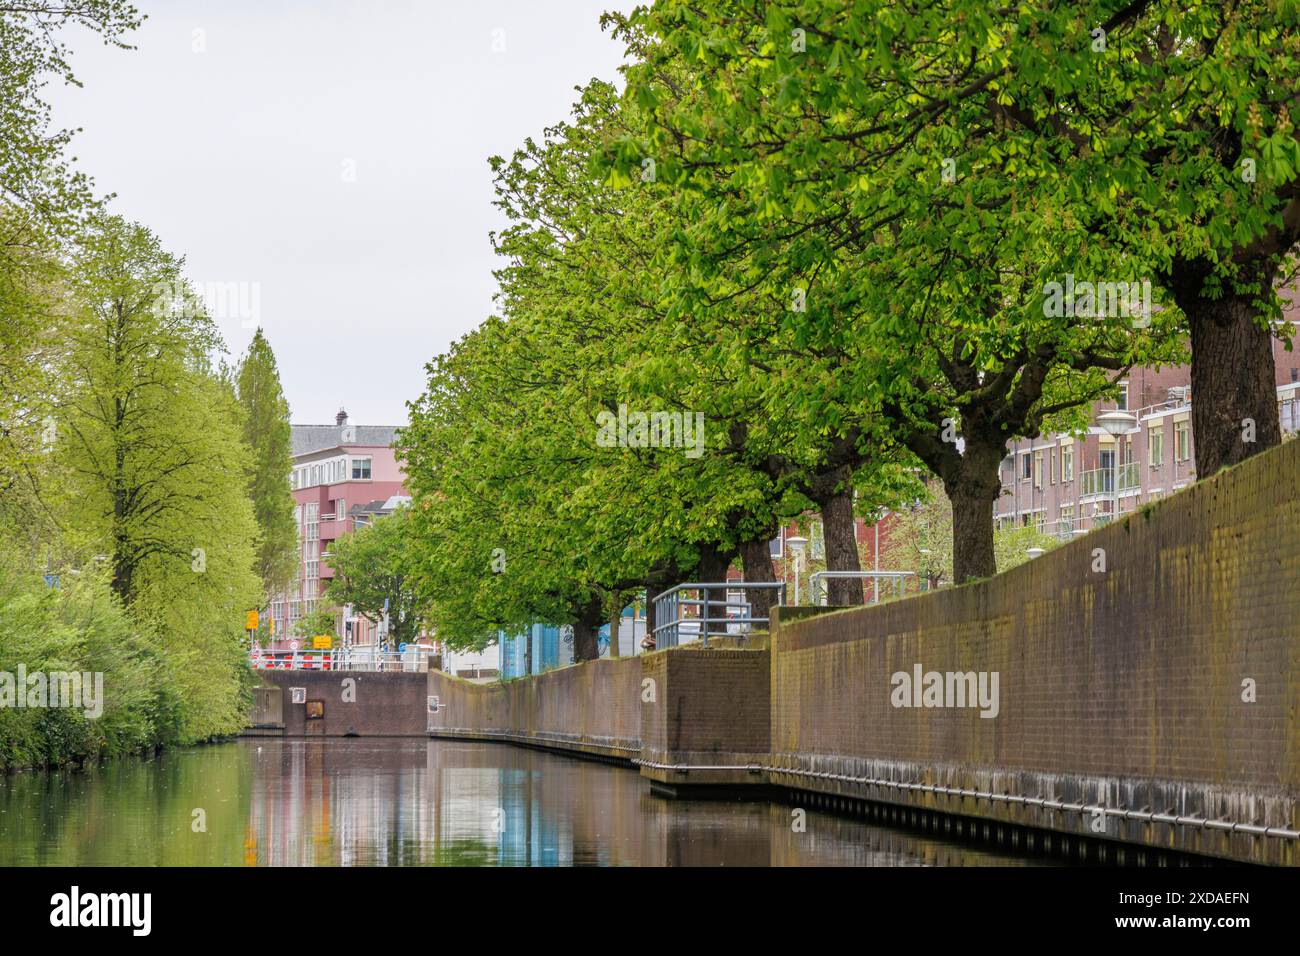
x=840, y=230
x=144, y=504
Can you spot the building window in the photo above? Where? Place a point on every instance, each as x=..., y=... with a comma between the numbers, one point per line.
x=1038, y=469
x=1156, y=443
x=360, y=468
x=1067, y=463
x=1123, y=397
x=1182, y=441
x=1026, y=467
x=1052, y=466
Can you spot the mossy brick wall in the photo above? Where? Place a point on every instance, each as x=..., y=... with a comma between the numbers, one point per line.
x=1120, y=689
x=590, y=708
x=705, y=708
x=686, y=706
x=374, y=705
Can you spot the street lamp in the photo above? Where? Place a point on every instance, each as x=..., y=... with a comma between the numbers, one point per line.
x=1116, y=423
x=797, y=544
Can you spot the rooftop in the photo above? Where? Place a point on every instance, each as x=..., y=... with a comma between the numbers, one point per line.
x=308, y=439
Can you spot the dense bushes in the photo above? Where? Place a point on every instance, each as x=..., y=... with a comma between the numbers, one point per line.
x=149, y=698
x=76, y=627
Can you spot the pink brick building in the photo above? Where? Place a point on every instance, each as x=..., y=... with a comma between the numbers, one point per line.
x=1065, y=484
x=343, y=477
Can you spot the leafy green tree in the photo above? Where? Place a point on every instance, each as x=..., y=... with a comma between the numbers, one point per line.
x=30, y=276
x=149, y=467
x=267, y=434
x=371, y=573
x=1156, y=136
x=792, y=188
x=784, y=437
x=321, y=621
x=35, y=176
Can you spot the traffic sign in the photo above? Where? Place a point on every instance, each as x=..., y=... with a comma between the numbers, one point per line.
x=251, y=622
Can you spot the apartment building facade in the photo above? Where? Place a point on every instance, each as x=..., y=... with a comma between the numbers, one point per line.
x=1067, y=484
x=343, y=476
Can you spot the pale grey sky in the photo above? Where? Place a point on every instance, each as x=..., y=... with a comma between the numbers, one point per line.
x=332, y=157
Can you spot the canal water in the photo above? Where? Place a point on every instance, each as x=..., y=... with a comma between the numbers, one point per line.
x=376, y=801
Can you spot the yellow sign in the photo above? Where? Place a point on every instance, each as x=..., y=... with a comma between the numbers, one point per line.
x=322, y=642
x=251, y=622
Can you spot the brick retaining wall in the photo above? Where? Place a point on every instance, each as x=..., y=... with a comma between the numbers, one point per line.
x=591, y=708
x=373, y=705
x=1120, y=691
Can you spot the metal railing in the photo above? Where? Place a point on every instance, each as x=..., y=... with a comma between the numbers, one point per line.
x=672, y=620
x=341, y=659
x=896, y=579
x=1101, y=481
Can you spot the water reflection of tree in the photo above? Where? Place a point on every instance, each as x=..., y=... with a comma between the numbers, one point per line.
x=130, y=812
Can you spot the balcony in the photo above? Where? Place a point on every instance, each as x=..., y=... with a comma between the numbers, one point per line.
x=331, y=528
x=1100, y=482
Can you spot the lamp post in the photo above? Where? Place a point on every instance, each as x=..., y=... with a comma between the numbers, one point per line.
x=1116, y=424
x=797, y=545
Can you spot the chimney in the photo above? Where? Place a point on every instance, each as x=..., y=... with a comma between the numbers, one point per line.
x=341, y=418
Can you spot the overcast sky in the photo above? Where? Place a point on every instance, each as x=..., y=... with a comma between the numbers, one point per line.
x=332, y=156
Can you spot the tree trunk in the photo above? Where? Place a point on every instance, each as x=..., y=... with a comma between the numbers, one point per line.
x=586, y=641
x=586, y=629
x=713, y=567
x=651, y=589
x=615, y=619
x=757, y=562
x=972, y=527
x=839, y=531
x=972, y=483
x=714, y=563
x=1234, y=391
